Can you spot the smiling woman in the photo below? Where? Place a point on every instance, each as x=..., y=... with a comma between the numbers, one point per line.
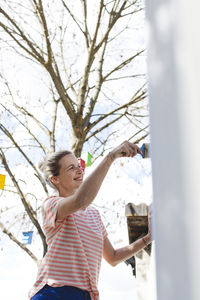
x=76, y=237
x=70, y=176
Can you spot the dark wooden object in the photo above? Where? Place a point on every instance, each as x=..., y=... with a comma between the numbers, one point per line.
x=137, y=222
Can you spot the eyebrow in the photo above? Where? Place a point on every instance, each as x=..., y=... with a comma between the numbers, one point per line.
x=72, y=165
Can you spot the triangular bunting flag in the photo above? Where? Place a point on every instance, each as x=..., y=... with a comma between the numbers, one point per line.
x=82, y=164
x=87, y=157
x=2, y=181
x=27, y=237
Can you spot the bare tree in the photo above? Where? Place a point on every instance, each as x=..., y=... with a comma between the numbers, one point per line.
x=87, y=65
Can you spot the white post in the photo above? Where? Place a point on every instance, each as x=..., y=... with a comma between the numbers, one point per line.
x=174, y=92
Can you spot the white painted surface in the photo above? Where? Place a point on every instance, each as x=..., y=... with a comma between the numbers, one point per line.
x=174, y=73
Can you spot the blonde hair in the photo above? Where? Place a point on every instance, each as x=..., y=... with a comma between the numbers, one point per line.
x=50, y=166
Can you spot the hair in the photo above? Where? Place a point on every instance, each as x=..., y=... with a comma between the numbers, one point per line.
x=50, y=166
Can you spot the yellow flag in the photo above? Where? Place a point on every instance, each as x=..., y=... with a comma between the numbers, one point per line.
x=2, y=181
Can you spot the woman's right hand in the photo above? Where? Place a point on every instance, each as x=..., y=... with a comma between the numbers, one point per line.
x=126, y=149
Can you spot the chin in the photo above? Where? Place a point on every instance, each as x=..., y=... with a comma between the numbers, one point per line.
x=78, y=183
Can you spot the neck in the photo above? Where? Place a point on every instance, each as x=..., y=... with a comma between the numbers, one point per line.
x=64, y=193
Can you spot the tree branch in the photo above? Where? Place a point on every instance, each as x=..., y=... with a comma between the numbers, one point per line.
x=9, y=135
x=103, y=127
x=123, y=64
x=134, y=99
x=29, y=43
x=16, y=241
x=91, y=57
x=98, y=85
x=27, y=206
x=29, y=131
x=54, y=117
x=75, y=20
x=102, y=144
x=86, y=32
x=69, y=83
x=64, y=97
x=39, y=8
x=141, y=138
x=114, y=16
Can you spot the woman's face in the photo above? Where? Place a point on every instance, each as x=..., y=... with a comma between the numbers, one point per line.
x=70, y=176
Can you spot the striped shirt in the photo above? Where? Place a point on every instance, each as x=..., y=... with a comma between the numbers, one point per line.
x=75, y=248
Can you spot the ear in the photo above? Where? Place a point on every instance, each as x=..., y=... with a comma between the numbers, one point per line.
x=54, y=180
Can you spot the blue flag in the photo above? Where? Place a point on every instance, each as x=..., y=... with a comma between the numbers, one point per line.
x=27, y=237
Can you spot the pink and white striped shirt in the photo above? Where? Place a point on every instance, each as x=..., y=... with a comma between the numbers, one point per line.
x=75, y=248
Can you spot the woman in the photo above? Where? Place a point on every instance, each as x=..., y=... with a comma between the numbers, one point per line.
x=76, y=236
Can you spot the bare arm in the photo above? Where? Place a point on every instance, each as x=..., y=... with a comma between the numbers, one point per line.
x=87, y=191
x=114, y=257
x=91, y=185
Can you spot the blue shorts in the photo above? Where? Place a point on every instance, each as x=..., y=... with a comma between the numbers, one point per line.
x=61, y=293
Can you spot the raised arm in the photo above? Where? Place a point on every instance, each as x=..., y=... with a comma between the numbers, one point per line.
x=88, y=190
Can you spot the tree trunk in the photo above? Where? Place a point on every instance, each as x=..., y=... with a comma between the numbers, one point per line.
x=77, y=141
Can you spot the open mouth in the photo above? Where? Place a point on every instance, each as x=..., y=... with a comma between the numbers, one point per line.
x=80, y=178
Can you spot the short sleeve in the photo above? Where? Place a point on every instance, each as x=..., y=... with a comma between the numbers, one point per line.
x=103, y=228
x=104, y=231
x=49, y=211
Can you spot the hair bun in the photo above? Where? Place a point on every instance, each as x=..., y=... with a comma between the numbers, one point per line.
x=42, y=165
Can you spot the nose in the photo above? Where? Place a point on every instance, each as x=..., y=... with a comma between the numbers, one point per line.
x=79, y=169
